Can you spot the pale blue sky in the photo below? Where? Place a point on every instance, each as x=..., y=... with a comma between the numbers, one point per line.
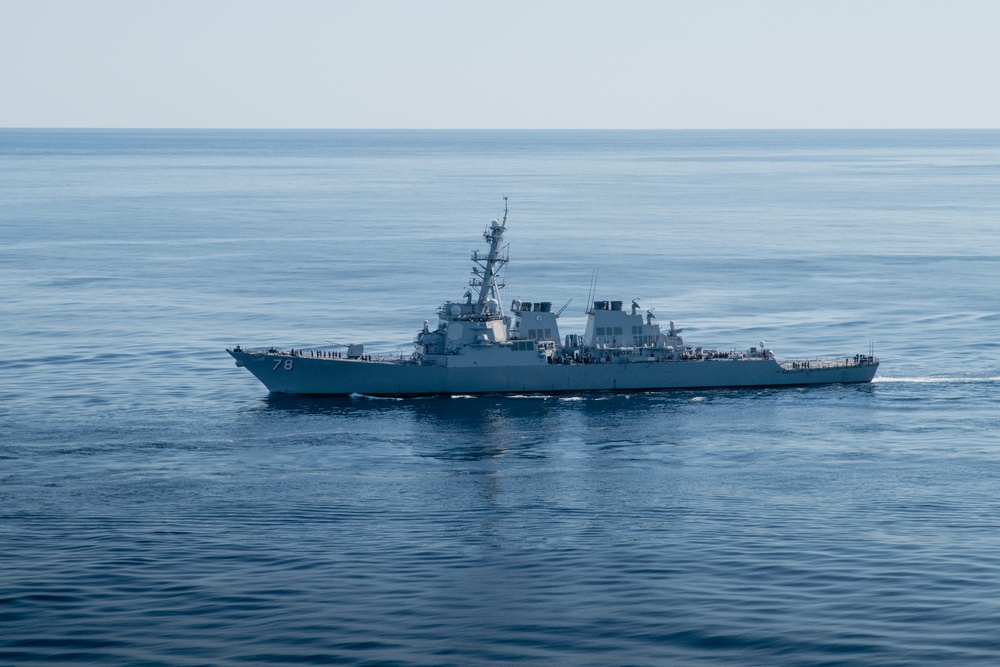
x=510, y=64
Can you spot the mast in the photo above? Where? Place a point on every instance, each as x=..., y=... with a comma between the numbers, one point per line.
x=489, y=265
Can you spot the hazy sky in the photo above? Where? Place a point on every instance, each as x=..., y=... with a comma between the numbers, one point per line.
x=503, y=64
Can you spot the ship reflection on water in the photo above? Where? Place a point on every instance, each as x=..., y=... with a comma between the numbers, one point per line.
x=538, y=425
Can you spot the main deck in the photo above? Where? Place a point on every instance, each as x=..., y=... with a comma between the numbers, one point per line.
x=313, y=372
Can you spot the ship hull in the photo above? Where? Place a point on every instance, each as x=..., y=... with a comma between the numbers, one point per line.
x=337, y=377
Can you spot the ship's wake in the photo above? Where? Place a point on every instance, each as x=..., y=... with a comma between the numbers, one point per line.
x=366, y=397
x=933, y=379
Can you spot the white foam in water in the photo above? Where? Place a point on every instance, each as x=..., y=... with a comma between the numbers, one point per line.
x=375, y=398
x=937, y=380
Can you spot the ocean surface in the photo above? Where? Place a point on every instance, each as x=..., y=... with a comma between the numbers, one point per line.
x=158, y=507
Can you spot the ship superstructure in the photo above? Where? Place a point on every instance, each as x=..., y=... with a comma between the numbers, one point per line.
x=476, y=347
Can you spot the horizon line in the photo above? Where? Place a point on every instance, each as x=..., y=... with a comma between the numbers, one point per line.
x=506, y=129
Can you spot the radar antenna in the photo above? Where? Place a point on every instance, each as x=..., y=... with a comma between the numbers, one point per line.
x=489, y=265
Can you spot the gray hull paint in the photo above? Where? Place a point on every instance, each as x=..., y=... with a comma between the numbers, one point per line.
x=478, y=349
x=332, y=377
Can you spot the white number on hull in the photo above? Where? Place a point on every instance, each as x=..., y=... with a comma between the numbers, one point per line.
x=288, y=364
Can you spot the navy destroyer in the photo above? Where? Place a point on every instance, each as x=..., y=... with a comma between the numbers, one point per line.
x=478, y=348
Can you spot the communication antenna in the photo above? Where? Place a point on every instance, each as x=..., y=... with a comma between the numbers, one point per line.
x=560, y=311
x=592, y=292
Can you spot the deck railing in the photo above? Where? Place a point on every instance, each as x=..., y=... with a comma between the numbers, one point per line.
x=828, y=362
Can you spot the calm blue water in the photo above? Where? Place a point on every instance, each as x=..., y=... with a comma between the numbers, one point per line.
x=158, y=507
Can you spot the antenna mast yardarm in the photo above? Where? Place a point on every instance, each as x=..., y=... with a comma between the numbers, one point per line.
x=490, y=265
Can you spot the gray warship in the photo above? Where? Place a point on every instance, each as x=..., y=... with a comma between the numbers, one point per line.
x=477, y=348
